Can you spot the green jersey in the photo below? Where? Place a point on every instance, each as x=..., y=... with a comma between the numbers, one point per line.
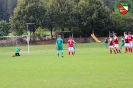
x=74, y=43
x=59, y=42
x=17, y=50
x=122, y=40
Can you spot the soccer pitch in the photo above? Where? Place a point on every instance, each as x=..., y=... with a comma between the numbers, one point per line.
x=91, y=67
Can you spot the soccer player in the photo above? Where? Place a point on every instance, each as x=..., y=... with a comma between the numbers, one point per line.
x=111, y=44
x=106, y=43
x=122, y=42
x=17, y=50
x=74, y=46
x=59, y=46
x=126, y=42
x=70, y=43
x=116, y=41
x=130, y=42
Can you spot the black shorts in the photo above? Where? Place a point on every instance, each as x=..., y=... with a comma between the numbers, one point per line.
x=17, y=54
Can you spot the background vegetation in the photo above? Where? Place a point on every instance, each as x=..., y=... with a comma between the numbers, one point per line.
x=83, y=17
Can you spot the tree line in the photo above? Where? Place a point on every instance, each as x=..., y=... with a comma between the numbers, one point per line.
x=82, y=17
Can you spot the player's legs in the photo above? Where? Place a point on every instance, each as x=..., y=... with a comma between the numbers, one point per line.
x=122, y=45
x=130, y=47
x=17, y=54
x=106, y=45
x=62, y=53
x=58, y=51
x=126, y=47
x=70, y=50
x=112, y=49
x=74, y=49
x=117, y=48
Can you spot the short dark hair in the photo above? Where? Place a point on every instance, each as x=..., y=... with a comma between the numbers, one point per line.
x=115, y=33
x=111, y=35
x=125, y=32
x=129, y=32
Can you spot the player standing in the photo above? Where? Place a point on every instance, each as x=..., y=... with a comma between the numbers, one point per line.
x=74, y=46
x=116, y=41
x=70, y=43
x=106, y=43
x=59, y=46
x=130, y=42
x=126, y=42
x=122, y=42
x=111, y=44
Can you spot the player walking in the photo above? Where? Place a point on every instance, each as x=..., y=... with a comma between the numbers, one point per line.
x=70, y=43
x=59, y=46
x=116, y=41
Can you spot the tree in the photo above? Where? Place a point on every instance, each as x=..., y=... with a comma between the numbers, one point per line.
x=27, y=11
x=49, y=21
x=4, y=28
x=6, y=8
x=40, y=33
x=94, y=16
x=61, y=10
x=62, y=13
x=121, y=24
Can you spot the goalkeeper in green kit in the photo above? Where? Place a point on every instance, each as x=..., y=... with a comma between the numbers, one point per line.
x=17, y=50
x=59, y=46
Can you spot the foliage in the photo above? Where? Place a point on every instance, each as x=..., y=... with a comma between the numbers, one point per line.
x=121, y=24
x=87, y=16
x=27, y=11
x=94, y=16
x=6, y=8
x=61, y=10
x=39, y=32
x=4, y=28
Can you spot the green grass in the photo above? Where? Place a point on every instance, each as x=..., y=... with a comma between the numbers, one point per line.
x=91, y=67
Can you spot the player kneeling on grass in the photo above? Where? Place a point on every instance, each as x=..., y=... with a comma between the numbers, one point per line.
x=111, y=45
x=17, y=50
x=70, y=43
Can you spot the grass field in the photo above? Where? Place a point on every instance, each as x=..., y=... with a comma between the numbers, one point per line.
x=91, y=67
